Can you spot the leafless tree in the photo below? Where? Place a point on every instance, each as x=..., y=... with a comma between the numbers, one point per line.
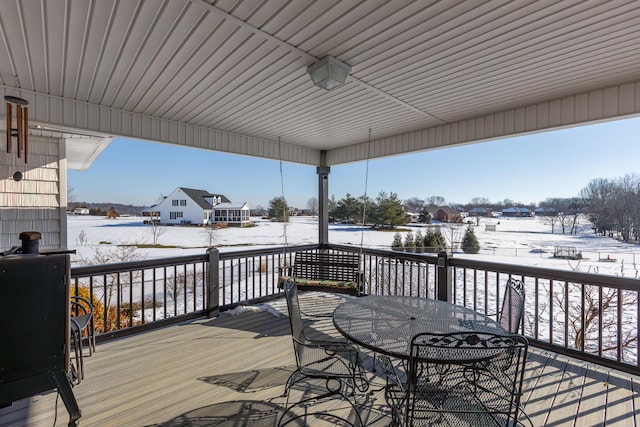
x=312, y=205
x=82, y=238
x=181, y=282
x=480, y=201
x=156, y=230
x=453, y=235
x=112, y=284
x=210, y=235
x=435, y=201
x=71, y=197
x=599, y=306
x=414, y=204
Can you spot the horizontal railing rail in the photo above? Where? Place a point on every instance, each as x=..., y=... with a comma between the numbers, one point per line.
x=590, y=316
x=142, y=294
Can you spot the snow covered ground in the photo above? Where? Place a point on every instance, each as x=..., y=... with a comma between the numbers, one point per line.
x=522, y=241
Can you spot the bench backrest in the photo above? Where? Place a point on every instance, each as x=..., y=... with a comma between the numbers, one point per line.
x=327, y=266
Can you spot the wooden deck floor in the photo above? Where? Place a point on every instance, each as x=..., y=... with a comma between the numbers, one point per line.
x=231, y=371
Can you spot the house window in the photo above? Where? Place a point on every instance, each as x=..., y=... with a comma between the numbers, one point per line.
x=183, y=203
x=174, y=202
x=175, y=215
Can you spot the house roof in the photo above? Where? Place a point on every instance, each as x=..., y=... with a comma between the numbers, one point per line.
x=200, y=196
x=515, y=209
x=231, y=75
x=481, y=210
x=449, y=210
x=231, y=206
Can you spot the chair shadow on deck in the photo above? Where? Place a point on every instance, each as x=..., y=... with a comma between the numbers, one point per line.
x=256, y=413
x=252, y=380
x=242, y=412
x=263, y=323
x=261, y=412
x=234, y=413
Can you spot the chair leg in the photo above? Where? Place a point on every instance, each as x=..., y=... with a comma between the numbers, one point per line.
x=76, y=335
x=91, y=337
x=330, y=392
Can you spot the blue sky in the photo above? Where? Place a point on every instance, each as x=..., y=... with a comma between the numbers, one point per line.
x=526, y=169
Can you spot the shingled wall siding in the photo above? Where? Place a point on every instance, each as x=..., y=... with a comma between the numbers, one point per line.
x=37, y=202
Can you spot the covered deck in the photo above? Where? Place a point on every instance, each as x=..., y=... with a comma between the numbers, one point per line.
x=231, y=370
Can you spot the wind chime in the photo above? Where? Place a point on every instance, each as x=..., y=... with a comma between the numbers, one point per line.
x=21, y=131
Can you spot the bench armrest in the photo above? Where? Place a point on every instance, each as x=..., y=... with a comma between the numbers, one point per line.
x=287, y=270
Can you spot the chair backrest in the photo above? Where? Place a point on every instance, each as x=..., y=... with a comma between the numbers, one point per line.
x=468, y=374
x=512, y=306
x=81, y=311
x=293, y=306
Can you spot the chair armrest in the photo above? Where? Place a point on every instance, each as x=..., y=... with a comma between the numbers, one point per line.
x=335, y=346
x=393, y=378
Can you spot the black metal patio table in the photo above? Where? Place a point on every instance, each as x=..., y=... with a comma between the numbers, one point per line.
x=386, y=324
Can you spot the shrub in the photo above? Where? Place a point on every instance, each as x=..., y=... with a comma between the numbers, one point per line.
x=129, y=310
x=98, y=306
x=409, y=242
x=397, y=244
x=419, y=241
x=434, y=240
x=470, y=243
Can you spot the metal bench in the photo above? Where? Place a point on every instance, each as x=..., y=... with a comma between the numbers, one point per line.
x=325, y=272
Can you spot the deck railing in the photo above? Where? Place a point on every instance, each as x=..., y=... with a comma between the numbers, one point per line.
x=590, y=316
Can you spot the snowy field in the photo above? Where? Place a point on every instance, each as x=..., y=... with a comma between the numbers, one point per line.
x=522, y=241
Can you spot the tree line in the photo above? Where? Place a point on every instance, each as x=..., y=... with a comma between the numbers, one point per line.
x=385, y=211
x=613, y=206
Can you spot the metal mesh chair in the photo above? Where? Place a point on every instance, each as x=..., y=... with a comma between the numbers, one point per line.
x=395, y=391
x=81, y=322
x=335, y=362
x=459, y=379
x=510, y=316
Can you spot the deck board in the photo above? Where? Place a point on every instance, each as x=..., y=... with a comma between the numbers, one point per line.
x=231, y=371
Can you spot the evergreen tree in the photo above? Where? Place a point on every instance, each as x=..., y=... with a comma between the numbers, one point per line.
x=97, y=212
x=397, y=244
x=409, y=242
x=425, y=216
x=419, y=240
x=331, y=209
x=279, y=209
x=389, y=211
x=434, y=240
x=111, y=213
x=370, y=206
x=470, y=243
x=348, y=210
x=439, y=241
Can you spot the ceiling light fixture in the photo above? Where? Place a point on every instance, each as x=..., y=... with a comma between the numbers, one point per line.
x=328, y=73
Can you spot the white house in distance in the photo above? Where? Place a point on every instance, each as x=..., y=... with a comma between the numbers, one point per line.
x=189, y=206
x=81, y=211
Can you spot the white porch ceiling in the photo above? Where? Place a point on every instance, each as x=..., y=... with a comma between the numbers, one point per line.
x=230, y=75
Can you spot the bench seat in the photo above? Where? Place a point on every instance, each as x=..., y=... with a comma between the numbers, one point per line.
x=324, y=271
x=324, y=285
